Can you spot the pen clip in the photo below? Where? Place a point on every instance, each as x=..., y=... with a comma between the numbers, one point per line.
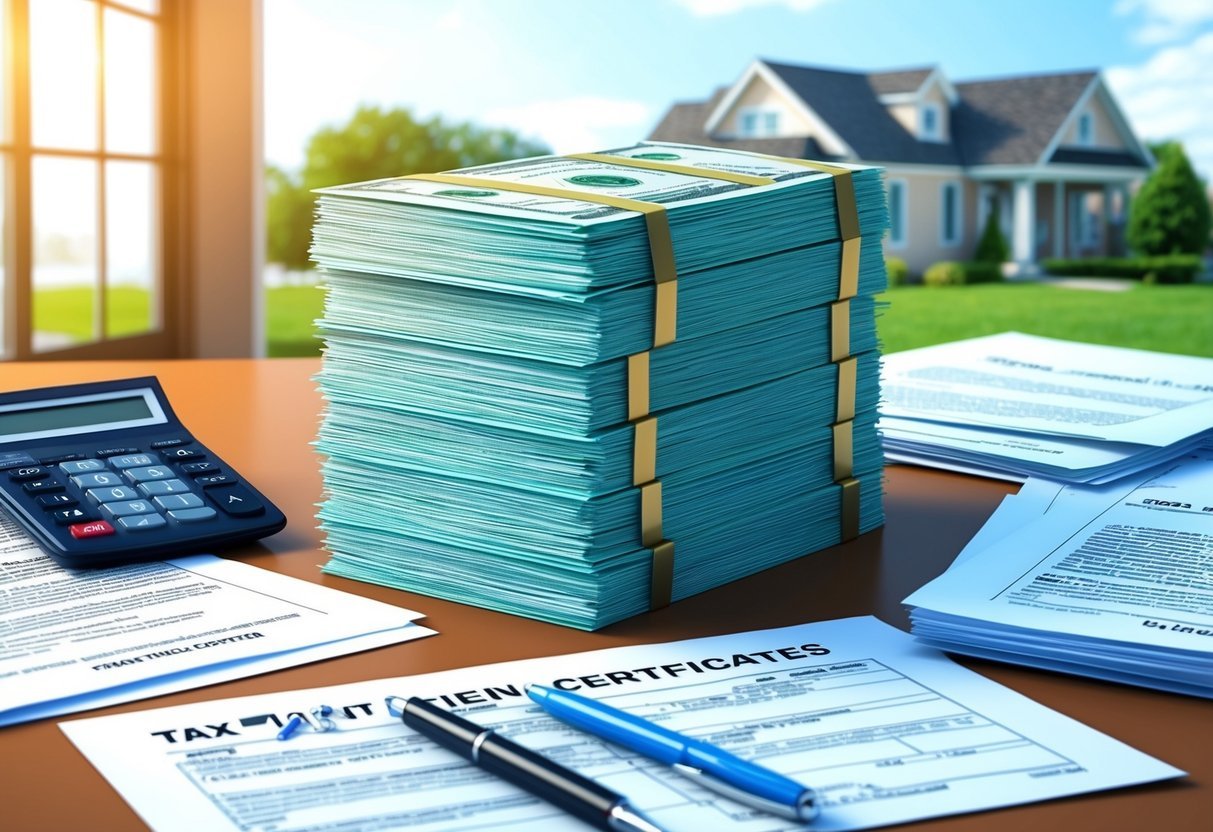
x=804, y=810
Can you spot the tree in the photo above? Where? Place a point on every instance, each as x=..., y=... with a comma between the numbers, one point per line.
x=373, y=144
x=1170, y=214
x=992, y=247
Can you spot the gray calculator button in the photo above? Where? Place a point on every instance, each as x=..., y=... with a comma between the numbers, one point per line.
x=133, y=461
x=141, y=522
x=81, y=466
x=176, y=501
x=105, y=478
x=126, y=508
x=157, y=488
x=192, y=515
x=108, y=495
x=153, y=472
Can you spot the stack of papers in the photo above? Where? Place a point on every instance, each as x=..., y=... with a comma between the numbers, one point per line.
x=1112, y=581
x=1012, y=406
x=75, y=639
x=575, y=388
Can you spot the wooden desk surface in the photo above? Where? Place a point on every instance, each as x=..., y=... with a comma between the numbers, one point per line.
x=261, y=415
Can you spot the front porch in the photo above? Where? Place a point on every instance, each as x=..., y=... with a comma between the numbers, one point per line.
x=1057, y=218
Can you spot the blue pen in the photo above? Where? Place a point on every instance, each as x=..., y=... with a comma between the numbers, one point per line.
x=711, y=767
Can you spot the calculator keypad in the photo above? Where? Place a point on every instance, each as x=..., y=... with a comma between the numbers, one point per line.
x=135, y=490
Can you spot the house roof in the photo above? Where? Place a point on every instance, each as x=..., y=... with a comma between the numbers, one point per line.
x=686, y=119
x=1012, y=121
x=899, y=80
x=1004, y=121
x=848, y=103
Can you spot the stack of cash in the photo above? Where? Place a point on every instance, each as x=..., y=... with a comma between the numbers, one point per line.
x=577, y=388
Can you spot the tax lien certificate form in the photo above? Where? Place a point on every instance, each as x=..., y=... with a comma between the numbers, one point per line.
x=885, y=729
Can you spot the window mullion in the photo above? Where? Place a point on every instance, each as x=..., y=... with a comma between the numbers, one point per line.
x=19, y=323
x=102, y=277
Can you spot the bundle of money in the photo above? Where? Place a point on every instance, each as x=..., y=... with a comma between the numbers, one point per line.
x=580, y=387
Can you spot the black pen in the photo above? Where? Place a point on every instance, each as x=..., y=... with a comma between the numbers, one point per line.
x=578, y=795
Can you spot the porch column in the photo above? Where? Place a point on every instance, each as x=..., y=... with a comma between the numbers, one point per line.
x=1023, y=232
x=1059, y=219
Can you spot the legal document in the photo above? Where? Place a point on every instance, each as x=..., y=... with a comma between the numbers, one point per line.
x=1114, y=581
x=73, y=639
x=1015, y=405
x=885, y=729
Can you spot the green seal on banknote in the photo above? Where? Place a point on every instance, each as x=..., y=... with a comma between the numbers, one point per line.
x=465, y=193
x=656, y=157
x=600, y=180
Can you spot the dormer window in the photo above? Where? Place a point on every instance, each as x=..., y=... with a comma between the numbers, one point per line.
x=1086, y=130
x=929, y=127
x=758, y=123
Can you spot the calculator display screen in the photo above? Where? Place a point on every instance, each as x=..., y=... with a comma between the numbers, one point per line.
x=61, y=418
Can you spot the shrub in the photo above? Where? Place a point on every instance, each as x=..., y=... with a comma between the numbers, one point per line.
x=1170, y=214
x=897, y=269
x=992, y=247
x=957, y=273
x=1173, y=268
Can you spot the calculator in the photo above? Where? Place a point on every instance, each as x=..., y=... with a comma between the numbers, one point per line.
x=105, y=473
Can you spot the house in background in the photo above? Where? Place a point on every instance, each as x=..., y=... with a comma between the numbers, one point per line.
x=1053, y=155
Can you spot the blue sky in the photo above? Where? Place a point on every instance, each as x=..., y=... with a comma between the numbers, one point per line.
x=583, y=75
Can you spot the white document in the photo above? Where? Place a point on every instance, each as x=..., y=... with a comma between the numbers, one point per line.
x=1113, y=581
x=1026, y=383
x=73, y=639
x=1008, y=455
x=886, y=731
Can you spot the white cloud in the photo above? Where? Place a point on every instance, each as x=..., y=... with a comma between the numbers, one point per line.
x=1167, y=20
x=1170, y=96
x=716, y=8
x=576, y=125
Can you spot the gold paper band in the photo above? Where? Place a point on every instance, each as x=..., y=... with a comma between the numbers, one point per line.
x=686, y=170
x=665, y=318
x=638, y=386
x=844, y=451
x=848, y=276
x=644, y=450
x=661, y=585
x=848, y=373
x=840, y=330
x=849, y=517
x=650, y=513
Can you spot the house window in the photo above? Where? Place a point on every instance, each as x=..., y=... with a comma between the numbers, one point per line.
x=1086, y=130
x=1085, y=220
x=756, y=122
x=84, y=154
x=950, y=220
x=929, y=127
x=897, y=212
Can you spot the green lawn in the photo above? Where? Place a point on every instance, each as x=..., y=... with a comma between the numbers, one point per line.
x=69, y=311
x=1163, y=318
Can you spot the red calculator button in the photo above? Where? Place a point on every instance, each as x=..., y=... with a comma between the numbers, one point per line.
x=95, y=528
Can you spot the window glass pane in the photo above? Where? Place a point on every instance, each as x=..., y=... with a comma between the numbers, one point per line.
x=949, y=213
x=63, y=73
x=131, y=232
x=130, y=83
x=65, y=252
x=895, y=213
